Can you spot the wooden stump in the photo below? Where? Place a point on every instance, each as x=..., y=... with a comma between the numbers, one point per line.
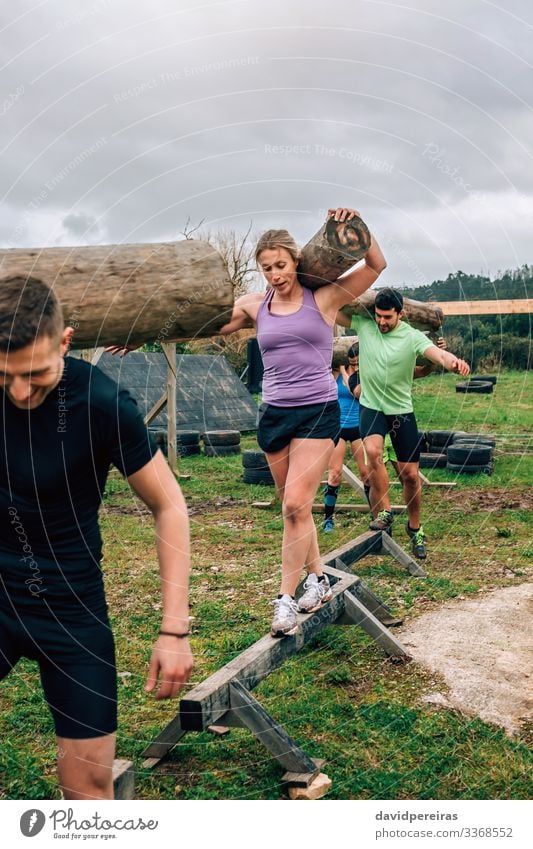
x=332, y=251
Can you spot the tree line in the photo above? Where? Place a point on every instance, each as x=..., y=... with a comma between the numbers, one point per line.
x=488, y=342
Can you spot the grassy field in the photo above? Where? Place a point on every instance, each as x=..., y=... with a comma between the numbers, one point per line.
x=339, y=698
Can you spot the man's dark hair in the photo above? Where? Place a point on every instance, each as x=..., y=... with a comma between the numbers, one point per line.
x=353, y=350
x=389, y=299
x=28, y=309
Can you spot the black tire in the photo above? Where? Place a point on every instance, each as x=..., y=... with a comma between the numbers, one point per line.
x=221, y=437
x=491, y=378
x=187, y=437
x=473, y=443
x=221, y=450
x=423, y=440
x=254, y=460
x=258, y=476
x=436, y=449
x=479, y=387
x=440, y=438
x=472, y=455
x=470, y=470
x=187, y=450
x=477, y=437
x=432, y=461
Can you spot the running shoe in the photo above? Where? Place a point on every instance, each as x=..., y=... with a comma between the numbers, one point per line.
x=285, y=621
x=382, y=522
x=316, y=593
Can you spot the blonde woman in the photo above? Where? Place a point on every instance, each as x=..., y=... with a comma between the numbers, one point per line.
x=299, y=416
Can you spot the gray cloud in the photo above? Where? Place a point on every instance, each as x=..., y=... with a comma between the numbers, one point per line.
x=121, y=120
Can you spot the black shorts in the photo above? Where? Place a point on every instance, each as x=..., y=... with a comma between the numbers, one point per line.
x=349, y=434
x=279, y=425
x=76, y=662
x=402, y=428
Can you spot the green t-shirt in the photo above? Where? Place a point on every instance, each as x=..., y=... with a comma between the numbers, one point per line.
x=386, y=364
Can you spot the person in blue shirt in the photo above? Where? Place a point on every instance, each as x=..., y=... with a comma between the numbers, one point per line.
x=349, y=434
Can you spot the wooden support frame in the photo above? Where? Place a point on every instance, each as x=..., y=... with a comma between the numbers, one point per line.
x=225, y=698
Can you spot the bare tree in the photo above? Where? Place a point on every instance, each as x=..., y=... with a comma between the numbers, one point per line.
x=236, y=249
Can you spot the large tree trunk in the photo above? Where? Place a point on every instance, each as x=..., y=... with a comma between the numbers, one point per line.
x=332, y=251
x=130, y=294
x=420, y=315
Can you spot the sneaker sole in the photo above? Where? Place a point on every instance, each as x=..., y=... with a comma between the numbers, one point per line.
x=327, y=597
x=284, y=633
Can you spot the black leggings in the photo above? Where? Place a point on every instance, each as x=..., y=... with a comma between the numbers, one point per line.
x=76, y=657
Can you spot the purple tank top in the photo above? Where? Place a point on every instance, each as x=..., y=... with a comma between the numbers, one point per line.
x=297, y=351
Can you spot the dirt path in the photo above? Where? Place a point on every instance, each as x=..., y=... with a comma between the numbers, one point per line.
x=483, y=648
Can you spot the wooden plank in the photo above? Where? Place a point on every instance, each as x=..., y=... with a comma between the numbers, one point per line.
x=370, y=600
x=352, y=480
x=123, y=779
x=503, y=307
x=156, y=409
x=165, y=740
x=355, y=612
x=344, y=507
x=209, y=700
x=253, y=716
x=351, y=552
x=169, y=350
x=392, y=547
x=303, y=779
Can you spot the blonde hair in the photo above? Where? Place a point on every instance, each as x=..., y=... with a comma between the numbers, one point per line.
x=277, y=239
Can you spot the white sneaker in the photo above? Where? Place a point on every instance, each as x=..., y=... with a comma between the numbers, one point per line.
x=285, y=621
x=316, y=593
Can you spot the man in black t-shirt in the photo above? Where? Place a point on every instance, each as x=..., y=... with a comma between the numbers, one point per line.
x=63, y=423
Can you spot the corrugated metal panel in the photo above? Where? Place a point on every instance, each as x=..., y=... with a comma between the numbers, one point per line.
x=209, y=395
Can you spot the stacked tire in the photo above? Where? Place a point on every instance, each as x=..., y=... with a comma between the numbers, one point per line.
x=478, y=384
x=435, y=444
x=187, y=442
x=256, y=469
x=472, y=454
x=160, y=438
x=221, y=443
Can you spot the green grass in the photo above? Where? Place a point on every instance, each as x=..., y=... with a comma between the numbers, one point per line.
x=339, y=698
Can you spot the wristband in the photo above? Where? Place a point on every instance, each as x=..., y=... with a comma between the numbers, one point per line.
x=170, y=634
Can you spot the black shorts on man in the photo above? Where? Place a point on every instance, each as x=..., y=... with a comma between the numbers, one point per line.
x=402, y=428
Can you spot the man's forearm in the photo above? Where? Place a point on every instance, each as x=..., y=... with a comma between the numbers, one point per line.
x=172, y=530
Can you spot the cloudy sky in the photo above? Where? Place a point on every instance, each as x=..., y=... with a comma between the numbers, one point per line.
x=120, y=120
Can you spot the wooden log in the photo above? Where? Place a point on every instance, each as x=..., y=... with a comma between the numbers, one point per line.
x=332, y=251
x=130, y=294
x=420, y=315
x=341, y=346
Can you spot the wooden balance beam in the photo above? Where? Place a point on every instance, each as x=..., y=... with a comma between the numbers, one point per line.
x=224, y=698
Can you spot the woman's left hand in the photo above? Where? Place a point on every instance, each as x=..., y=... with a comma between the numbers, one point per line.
x=343, y=214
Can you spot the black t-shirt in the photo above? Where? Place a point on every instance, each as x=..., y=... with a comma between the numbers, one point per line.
x=54, y=462
x=353, y=381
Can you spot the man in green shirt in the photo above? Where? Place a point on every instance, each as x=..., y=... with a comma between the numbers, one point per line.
x=388, y=348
